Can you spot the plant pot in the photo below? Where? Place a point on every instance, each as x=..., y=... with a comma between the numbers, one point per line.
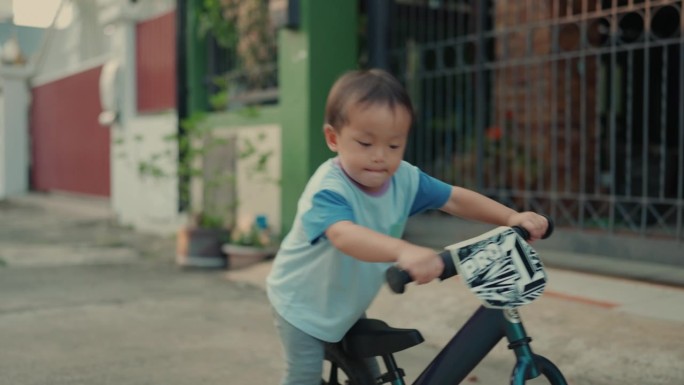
x=241, y=255
x=201, y=248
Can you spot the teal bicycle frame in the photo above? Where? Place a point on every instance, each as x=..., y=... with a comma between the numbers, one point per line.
x=476, y=339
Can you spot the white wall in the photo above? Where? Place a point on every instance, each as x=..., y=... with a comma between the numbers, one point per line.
x=146, y=203
x=3, y=141
x=14, y=145
x=150, y=204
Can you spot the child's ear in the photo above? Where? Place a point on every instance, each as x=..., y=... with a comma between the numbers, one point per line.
x=330, y=137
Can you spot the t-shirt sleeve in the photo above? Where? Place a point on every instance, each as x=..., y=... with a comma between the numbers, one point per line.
x=432, y=194
x=328, y=207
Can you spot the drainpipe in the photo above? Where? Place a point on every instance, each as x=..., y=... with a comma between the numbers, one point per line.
x=480, y=87
x=191, y=85
x=181, y=97
x=378, y=36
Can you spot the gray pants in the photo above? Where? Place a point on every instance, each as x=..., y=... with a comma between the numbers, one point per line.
x=304, y=355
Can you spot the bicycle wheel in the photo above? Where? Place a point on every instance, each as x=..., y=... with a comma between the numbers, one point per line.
x=339, y=368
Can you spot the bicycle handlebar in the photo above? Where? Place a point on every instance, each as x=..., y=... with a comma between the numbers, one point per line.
x=397, y=279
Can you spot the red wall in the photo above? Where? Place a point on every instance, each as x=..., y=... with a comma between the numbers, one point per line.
x=70, y=150
x=156, y=63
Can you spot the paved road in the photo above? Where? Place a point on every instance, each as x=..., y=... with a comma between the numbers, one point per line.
x=83, y=301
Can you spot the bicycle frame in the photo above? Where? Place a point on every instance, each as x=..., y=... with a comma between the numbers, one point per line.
x=476, y=339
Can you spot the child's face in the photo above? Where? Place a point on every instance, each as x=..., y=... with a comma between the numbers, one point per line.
x=371, y=146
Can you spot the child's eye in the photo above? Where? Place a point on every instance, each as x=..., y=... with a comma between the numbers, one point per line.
x=364, y=144
x=394, y=146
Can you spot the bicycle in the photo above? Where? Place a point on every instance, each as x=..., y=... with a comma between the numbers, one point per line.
x=495, y=266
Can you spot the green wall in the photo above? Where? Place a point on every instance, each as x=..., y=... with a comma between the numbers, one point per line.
x=309, y=60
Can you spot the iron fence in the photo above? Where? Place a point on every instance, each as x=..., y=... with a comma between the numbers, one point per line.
x=570, y=107
x=257, y=85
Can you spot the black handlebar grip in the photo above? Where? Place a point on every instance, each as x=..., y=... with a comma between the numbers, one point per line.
x=526, y=234
x=549, y=228
x=449, y=266
x=397, y=279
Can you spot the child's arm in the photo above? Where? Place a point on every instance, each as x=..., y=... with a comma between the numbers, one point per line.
x=422, y=263
x=470, y=205
x=362, y=243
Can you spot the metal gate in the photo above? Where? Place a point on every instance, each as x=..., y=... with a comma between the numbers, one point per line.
x=569, y=107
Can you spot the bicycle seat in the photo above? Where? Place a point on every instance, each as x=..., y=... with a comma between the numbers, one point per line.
x=372, y=337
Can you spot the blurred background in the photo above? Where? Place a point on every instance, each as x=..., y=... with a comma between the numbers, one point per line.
x=211, y=111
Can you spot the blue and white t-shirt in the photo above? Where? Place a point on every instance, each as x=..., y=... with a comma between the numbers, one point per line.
x=316, y=287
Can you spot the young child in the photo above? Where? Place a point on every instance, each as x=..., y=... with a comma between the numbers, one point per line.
x=350, y=218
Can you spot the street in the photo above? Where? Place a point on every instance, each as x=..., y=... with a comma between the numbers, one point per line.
x=84, y=301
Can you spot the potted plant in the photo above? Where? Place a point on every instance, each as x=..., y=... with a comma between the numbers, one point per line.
x=200, y=246
x=251, y=240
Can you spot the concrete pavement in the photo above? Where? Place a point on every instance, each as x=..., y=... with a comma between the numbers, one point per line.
x=86, y=302
x=83, y=301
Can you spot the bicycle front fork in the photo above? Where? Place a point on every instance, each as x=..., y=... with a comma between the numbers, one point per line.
x=528, y=365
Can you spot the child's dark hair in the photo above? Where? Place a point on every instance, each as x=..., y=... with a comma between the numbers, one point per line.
x=365, y=87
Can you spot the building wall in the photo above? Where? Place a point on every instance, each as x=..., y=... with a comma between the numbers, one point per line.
x=309, y=65
x=148, y=204
x=3, y=144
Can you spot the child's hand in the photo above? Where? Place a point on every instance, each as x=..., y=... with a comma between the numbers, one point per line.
x=422, y=263
x=534, y=223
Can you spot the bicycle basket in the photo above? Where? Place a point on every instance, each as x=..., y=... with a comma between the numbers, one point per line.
x=501, y=268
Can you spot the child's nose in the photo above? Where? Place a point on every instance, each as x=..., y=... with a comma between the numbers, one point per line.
x=378, y=154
